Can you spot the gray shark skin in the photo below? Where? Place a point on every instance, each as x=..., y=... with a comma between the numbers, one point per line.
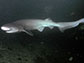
x=26, y=25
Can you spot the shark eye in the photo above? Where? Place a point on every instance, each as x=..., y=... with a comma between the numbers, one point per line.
x=5, y=28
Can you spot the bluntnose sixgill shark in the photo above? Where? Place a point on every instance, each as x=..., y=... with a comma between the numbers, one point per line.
x=26, y=25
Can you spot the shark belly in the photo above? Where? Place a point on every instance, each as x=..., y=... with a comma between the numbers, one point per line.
x=41, y=25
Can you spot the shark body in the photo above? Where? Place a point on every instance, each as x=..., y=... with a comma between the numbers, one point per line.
x=26, y=25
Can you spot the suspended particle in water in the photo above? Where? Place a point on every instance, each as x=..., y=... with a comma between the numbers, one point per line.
x=70, y=58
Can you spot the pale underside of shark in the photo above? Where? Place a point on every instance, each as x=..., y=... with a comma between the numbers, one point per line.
x=26, y=25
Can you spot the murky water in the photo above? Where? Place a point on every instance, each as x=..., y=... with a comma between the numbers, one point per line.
x=50, y=46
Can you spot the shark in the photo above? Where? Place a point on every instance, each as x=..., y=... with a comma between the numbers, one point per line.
x=26, y=25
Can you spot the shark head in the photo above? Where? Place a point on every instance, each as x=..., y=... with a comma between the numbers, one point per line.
x=10, y=28
x=14, y=28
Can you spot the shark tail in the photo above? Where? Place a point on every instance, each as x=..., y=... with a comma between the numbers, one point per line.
x=70, y=25
x=81, y=20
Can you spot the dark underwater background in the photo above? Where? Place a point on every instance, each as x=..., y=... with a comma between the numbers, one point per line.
x=49, y=46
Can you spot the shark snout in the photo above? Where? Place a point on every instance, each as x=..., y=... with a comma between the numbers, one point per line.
x=5, y=28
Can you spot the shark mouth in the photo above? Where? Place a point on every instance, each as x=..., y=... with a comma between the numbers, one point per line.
x=8, y=31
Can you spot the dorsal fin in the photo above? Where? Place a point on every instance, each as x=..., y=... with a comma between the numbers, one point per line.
x=48, y=19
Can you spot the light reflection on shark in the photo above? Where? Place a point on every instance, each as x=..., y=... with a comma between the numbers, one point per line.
x=26, y=25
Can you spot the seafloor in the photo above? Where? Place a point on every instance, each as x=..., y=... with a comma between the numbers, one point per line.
x=44, y=47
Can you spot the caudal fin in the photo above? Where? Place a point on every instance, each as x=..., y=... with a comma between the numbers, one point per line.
x=66, y=25
x=81, y=20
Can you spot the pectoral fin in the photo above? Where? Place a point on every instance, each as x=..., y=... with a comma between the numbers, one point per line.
x=28, y=32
